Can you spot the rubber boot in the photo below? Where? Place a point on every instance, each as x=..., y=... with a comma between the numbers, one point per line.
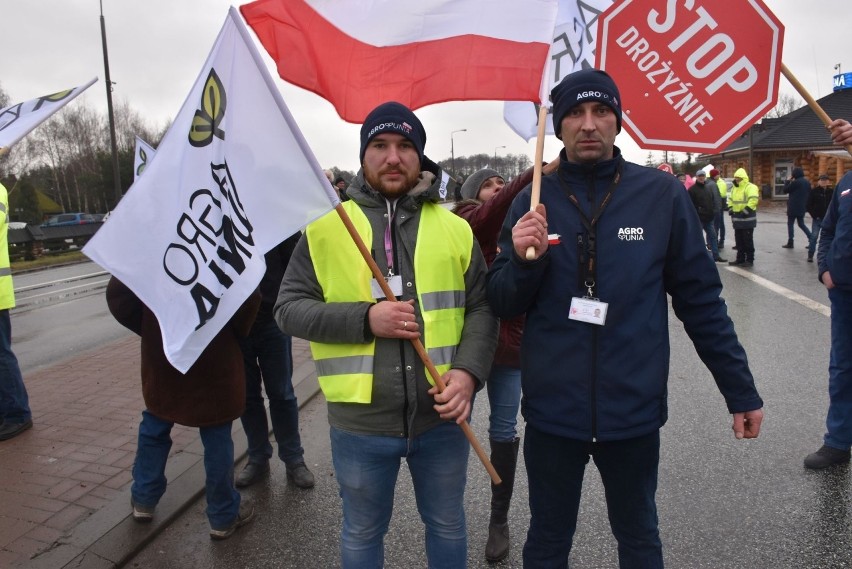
x=789, y=244
x=504, y=457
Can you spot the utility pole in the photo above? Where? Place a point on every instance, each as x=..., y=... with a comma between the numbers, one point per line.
x=115, y=173
x=495, y=153
x=452, y=151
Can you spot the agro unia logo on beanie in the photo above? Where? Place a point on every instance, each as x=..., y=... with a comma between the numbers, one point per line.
x=403, y=127
x=583, y=95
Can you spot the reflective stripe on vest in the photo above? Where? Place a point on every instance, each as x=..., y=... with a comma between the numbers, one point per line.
x=345, y=370
x=7, y=292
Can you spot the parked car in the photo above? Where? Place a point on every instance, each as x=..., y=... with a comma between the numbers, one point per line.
x=68, y=219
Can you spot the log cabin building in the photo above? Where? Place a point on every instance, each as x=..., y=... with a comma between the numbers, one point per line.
x=777, y=145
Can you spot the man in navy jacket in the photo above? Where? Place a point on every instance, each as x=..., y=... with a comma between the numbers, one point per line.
x=611, y=239
x=835, y=272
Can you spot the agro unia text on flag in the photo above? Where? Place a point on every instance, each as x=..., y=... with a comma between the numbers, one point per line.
x=233, y=177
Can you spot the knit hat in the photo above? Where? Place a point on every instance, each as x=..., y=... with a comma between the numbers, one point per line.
x=714, y=172
x=394, y=118
x=580, y=87
x=824, y=177
x=470, y=188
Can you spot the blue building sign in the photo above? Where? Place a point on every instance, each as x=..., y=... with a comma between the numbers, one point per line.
x=843, y=81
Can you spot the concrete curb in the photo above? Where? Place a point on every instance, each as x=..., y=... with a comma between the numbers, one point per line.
x=110, y=537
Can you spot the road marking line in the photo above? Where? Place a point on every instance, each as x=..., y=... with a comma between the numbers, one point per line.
x=785, y=292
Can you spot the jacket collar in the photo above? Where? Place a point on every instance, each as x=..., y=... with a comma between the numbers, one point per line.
x=426, y=190
x=602, y=169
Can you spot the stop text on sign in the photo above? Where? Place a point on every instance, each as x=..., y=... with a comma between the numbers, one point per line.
x=692, y=75
x=715, y=59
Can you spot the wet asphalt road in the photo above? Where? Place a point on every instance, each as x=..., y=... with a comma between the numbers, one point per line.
x=722, y=503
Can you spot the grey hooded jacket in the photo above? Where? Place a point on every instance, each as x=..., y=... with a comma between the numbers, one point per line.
x=400, y=403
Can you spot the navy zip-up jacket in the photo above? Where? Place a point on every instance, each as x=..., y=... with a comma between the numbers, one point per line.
x=589, y=382
x=835, y=243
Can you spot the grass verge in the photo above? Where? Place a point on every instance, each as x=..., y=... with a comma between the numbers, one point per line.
x=48, y=261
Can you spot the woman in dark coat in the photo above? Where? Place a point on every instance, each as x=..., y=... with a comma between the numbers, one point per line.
x=210, y=395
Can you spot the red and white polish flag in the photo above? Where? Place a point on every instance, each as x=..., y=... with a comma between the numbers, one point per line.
x=360, y=53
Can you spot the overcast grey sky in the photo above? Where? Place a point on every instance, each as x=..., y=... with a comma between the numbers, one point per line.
x=157, y=48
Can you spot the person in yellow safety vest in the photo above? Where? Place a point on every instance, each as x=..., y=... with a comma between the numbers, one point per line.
x=382, y=404
x=742, y=203
x=15, y=416
x=720, y=216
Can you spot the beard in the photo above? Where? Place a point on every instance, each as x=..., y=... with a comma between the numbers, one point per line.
x=394, y=188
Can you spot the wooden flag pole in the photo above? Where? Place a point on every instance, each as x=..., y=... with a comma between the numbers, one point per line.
x=418, y=345
x=539, y=157
x=810, y=100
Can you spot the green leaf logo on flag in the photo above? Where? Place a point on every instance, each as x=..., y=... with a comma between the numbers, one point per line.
x=144, y=161
x=205, y=123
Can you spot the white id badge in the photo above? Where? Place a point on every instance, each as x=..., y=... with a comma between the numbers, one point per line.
x=394, y=282
x=589, y=310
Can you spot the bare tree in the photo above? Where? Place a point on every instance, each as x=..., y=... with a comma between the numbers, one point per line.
x=786, y=104
x=129, y=124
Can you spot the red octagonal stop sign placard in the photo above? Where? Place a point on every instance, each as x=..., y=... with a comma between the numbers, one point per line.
x=693, y=74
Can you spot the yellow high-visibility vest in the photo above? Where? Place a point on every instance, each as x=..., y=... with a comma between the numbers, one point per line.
x=441, y=259
x=7, y=292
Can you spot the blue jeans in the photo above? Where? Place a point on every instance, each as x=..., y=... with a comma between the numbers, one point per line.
x=710, y=234
x=839, y=420
x=149, y=469
x=366, y=468
x=720, y=226
x=628, y=468
x=504, y=398
x=816, y=228
x=800, y=221
x=14, y=401
x=268, y=359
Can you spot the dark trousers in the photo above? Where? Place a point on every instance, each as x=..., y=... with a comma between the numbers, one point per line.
x=720, y=226
x=745, y=244
x=628, y=468
x=268, y=359
x=14, y=401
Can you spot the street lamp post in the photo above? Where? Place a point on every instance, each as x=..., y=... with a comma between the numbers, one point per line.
x=452, y=151
x=115, y=174
x=495, y=153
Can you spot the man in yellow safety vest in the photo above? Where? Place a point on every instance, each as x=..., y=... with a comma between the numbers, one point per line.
x=382, y=405
x=15, y=416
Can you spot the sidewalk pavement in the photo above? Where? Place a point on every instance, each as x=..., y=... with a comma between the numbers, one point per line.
x=65, y=483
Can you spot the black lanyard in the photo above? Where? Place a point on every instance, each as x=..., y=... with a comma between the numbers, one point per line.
x=587, y=244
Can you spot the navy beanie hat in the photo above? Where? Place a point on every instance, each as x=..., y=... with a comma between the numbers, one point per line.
x=395, y=118
x=580, y=87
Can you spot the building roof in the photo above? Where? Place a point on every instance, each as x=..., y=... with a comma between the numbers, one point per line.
x=800, y=129
x=46, y=205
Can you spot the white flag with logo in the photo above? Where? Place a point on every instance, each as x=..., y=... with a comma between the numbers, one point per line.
x=233, y=178
x=573, y=48
x=16, y=121
x=141, y=157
